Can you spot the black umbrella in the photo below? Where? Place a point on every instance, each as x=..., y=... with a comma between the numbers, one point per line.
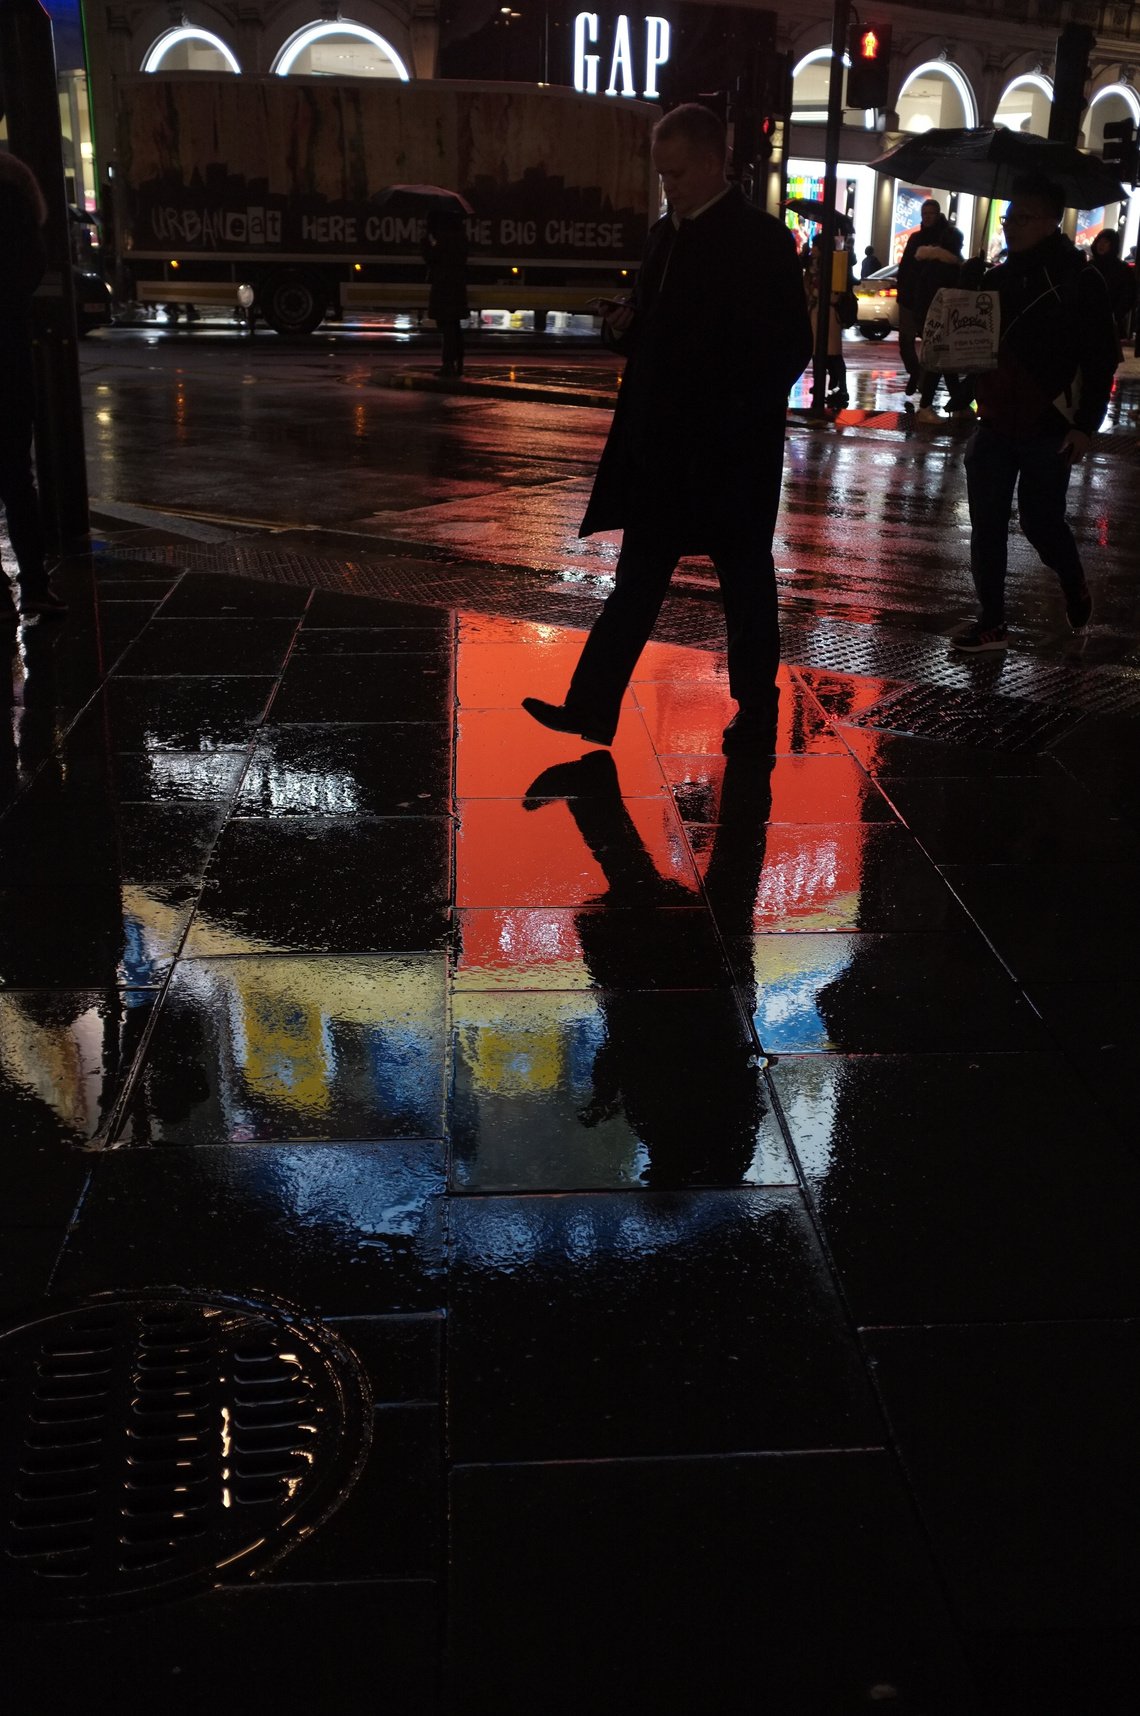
x=421, y=200
x=813, y=211
x=985, y=161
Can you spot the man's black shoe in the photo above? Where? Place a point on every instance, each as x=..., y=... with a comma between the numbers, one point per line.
x=753, y=727
x=1079, y=608
x=43, y=606
x=561, y=719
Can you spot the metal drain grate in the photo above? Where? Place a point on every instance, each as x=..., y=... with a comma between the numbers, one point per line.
x=989, y=723
x=147, y=1442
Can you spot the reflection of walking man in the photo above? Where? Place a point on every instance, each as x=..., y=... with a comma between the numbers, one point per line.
x=1040, y=407
x=717, y=332
x=660, y=1020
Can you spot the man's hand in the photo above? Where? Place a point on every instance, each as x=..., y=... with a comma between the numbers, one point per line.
x=620, y=318
x=1075, y=445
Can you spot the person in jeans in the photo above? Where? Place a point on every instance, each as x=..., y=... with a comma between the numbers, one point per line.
x=1039, y=408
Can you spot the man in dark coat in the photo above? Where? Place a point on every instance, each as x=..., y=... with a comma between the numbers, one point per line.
x=929, y=231
x=1040, y=407
x=717, y=332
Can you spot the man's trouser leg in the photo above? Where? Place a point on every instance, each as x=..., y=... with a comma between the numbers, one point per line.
x=908, y=334
x=1041, y=504
x=991, y=474
x=622, y=629
x=747, y=575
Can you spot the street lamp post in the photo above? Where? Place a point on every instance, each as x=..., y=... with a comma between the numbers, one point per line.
x=28, y=89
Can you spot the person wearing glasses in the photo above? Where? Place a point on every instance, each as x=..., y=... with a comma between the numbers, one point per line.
x=1039, y=408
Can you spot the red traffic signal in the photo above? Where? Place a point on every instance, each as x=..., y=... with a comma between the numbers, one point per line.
x=869, y=50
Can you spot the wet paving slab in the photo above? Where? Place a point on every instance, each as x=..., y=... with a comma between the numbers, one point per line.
x=721, y=1167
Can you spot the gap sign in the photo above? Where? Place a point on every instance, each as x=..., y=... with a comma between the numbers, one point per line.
x=620, y=55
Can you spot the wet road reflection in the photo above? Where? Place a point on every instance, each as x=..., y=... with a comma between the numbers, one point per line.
x=325, y=974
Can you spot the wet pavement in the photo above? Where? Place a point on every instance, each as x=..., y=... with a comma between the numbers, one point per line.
x=724, y=1169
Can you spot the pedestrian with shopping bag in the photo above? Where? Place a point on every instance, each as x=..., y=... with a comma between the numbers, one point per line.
x=1040, y=405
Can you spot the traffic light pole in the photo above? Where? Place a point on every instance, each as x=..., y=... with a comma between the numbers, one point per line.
x=31, y=105
x=826, y=239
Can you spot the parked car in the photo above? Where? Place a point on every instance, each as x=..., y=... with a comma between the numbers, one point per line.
x=878, y=301
x=92, y=293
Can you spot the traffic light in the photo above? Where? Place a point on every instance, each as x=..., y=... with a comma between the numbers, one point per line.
x=1071, y=73
x=1119, y=148
x=869, y=50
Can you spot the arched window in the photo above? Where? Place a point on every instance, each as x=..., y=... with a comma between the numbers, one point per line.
x=1116, y=101
x=339, y=49
x=936, y=96
x=1025, y=105
x=810, y=82
x=188, y=49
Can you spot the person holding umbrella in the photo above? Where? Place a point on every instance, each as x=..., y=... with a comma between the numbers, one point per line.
x=445, y=252
x=1039, y=408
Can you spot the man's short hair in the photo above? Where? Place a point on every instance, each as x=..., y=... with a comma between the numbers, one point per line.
x=1038, y=188
x=932, y=203
x=700, y=127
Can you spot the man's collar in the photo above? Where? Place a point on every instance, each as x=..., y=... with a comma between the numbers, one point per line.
x=704, y=208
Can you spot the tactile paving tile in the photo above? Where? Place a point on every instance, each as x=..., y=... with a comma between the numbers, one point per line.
x=833, y=646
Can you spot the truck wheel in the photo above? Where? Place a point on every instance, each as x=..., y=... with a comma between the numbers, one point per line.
x=293, y=302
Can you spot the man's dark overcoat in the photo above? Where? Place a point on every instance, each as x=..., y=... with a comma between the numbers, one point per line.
x=720, y=334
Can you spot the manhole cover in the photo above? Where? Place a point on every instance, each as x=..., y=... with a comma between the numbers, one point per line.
x=148, y=1441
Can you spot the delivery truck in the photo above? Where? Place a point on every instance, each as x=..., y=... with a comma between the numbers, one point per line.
x=270, y=192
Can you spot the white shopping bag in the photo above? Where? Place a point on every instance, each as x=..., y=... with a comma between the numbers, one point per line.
x=961, y=331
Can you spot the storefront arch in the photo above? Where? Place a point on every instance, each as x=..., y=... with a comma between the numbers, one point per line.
x=811, y=78
x=339, y=49
x=936, y=95
x=1115, y=101
x=189, y=49
x=1026, y=104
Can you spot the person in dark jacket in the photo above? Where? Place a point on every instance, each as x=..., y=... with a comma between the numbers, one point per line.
x=1040, y=407
x=931, y=221
x=1119, y=279
x=938, y=264
x=717, y=331
x=445, y=252
x=22, y=262
x=870, y=263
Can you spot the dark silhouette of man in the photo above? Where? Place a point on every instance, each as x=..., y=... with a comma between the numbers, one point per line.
x=717, y=331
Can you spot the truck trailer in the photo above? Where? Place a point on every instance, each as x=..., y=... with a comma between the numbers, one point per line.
x=268, y=193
